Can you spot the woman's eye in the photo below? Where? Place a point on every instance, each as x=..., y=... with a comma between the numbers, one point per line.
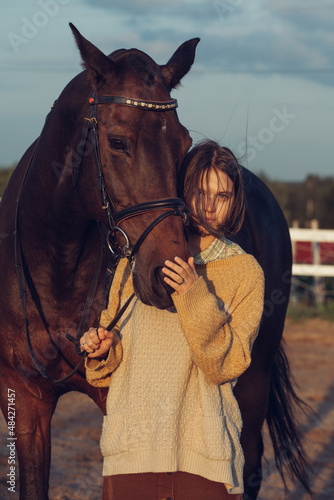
x=117, y=144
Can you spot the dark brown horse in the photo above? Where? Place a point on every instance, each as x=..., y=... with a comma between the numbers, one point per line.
x=104, y=162
x=265, y=391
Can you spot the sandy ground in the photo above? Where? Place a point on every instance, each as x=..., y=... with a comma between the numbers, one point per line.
x=76, y=460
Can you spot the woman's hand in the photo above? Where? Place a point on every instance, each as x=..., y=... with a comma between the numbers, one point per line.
x=96, y=342
x=180, y=276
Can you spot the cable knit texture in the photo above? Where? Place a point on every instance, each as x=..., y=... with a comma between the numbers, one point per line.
x=171, y=374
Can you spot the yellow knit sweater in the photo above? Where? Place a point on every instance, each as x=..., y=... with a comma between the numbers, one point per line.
x=171, y=374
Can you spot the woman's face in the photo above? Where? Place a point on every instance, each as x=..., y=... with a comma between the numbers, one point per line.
x=215, y=198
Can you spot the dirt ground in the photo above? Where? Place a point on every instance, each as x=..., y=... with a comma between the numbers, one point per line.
x=76, y=460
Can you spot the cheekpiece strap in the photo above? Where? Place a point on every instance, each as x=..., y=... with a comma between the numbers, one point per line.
x=135, y=103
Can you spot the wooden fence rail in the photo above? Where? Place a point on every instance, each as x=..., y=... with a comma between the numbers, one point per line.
x=315, y=236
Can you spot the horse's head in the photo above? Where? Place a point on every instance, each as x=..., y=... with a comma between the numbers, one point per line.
x=141, y=148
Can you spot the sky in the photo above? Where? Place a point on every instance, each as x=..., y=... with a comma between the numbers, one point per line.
x=262, y=82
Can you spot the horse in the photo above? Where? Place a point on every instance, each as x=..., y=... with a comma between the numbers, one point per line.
x=266, y=390
x=101, y=182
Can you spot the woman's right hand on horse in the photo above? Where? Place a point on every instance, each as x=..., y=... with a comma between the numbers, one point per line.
x=96, y=342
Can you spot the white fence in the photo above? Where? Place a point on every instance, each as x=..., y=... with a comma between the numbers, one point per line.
x=315, y=236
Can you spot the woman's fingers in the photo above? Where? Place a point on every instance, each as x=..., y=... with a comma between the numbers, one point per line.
x=178, y=266
x=101, y=332
x=180, y=275
x=92, y=339
x=191, y=264
x=173, y=283
x=182, y=268
x=175, y=276
x=97, y=342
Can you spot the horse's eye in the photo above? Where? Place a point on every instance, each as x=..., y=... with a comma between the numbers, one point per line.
x=117, y=144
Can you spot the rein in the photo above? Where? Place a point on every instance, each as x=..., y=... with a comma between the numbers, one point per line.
x=173, y=206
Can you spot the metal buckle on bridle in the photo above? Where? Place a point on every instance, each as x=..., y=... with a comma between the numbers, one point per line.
x=114, y=245
x=185, y=218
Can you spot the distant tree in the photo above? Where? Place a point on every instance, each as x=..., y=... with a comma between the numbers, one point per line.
x=324, y=202
x=5, y=174
x=304, y=201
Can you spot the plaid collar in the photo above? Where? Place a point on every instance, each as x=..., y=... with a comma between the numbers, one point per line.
x=220, y=248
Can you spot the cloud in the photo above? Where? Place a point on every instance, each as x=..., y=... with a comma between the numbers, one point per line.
x=262, y=37
x=259, y=37
x=146, y=7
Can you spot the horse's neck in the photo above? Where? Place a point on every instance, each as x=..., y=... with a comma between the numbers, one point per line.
x=68, y=233
x=55, y=228
x=54, y=225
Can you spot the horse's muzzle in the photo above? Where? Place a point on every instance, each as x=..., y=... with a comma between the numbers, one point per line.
x=154, y=291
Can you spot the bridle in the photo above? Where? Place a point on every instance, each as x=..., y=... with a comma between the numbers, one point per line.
x=173, y=206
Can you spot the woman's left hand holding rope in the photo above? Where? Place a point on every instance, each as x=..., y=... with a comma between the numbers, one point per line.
x=97, y=342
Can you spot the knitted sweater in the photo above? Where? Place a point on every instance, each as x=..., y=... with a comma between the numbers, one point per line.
x=171, y=373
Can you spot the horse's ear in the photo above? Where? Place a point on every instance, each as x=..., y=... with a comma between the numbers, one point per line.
x=180, y=63
x=94, y=61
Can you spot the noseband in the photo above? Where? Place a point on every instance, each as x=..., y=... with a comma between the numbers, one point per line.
x=172, y=206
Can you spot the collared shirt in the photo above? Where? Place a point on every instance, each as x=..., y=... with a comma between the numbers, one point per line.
x=220, y=248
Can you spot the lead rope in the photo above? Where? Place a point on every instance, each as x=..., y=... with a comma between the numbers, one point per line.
x=118, y=316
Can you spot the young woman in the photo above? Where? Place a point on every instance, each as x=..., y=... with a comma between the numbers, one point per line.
x=172, y=429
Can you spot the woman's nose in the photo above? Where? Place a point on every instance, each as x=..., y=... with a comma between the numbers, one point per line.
x=209, y=205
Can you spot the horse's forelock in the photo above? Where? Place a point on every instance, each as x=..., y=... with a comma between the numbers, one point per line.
x=113, y=55
x=137, y=62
